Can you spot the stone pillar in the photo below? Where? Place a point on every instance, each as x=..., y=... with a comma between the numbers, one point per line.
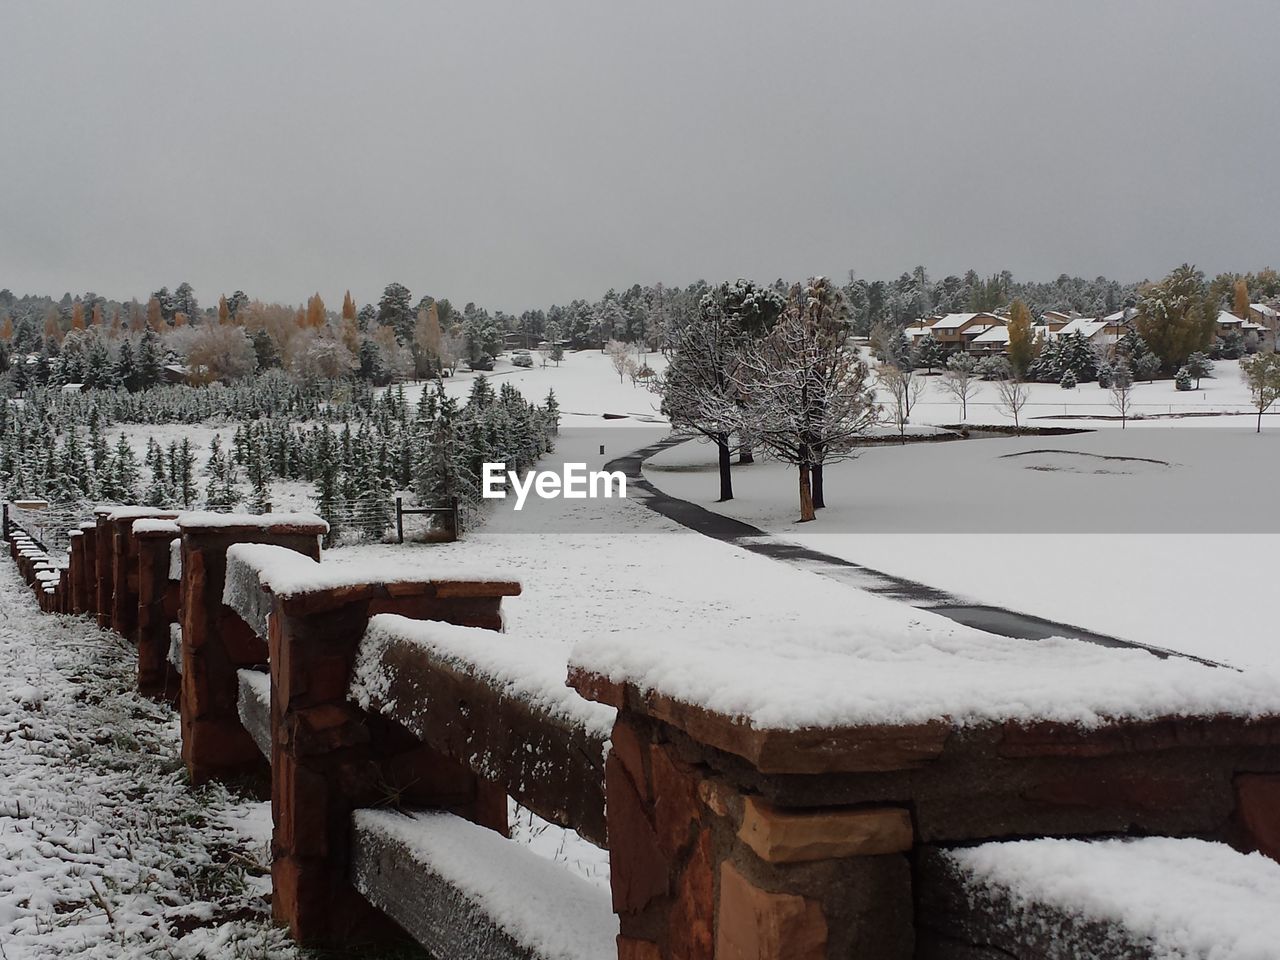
x=124, y=566
x=87, y=584
x=703, y=868
x=104, y=546
x=329, y=758
x=157, y=609
x=76, y=576
x=216, y=642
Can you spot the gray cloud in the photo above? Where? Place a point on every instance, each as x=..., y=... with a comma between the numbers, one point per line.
x=519, y=153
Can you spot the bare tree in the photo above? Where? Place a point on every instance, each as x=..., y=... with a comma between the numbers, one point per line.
x=1262, y=373
x=1013, y=395
x=619, y=353
x=903, y=388
x=960, y=381
x=1122, y=392
x=807, y=396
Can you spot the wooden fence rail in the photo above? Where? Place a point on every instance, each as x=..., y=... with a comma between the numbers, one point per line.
x=393, y=719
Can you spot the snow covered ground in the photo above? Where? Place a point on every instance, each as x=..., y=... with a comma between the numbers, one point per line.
x=1152, y=404
x=1170, y=542
x=105, y=851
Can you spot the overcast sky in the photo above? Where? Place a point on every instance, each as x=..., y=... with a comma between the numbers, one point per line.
x=523, y=153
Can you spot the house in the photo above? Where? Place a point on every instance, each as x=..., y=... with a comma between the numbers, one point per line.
x=919, y=328
x=1229, y=323
x=1268, y=318
x=956, y=330
x=993, y=341
x=1104, y=331
x=1055, y=320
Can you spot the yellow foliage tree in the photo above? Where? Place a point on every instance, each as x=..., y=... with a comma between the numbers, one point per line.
x=77, y=316
x=315, y=318
x=1022, y=345
x=1240, y=299
x=348, y=307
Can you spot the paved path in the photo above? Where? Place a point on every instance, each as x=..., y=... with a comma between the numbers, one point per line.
x=999, y=620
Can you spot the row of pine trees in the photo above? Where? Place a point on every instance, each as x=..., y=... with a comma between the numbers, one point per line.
x=356, y=451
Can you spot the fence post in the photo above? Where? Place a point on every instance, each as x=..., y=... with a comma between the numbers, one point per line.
x=216, y=642
x=124, y=566
x=157, y=608
x=329, y=758
x=102, y=568
x=6, y=520
x=399, y=519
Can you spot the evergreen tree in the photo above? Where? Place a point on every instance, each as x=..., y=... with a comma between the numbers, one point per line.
x=327, y=492
x=481, y=393
x=127, y=372
x=929, y=352
x=184, y=476
x=1198, y=366
x=124, y=473
x=150, y=361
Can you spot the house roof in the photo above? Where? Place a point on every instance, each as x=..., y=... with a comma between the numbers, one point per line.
x=954, y=321
x=1265, y=310
x=1227, y=319
x=1089, y=326
x=996, y=333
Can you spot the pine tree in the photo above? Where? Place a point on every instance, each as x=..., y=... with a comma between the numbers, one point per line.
x=327, y=485
x=124, y=473
x=1182, y=379
x=259, y=476
x=481, y=393
x=150, y=361
x=126, y=372
x=552, y=407
x=1199, y=366
x=183, y=478
x=928, y=352
x=157, y=492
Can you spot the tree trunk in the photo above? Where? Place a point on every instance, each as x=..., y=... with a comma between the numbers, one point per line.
x=726, y=467
x=806, y=495
x=1259, y=430
x=819, y=501
x=745, y=453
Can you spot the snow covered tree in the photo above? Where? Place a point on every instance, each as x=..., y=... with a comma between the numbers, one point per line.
x=1012, y=395
x=902, y=388
x=1199, y=366
x=1068, y=381
x=395, y=312
x=1147, y=366
x=803, y=390
x=150, y=361
x=619, y=353
x=929, y=352
x=1261, y=374
x=960, y=381
x=1177, y=317
x=1122, y=392
x=124, y=473
x=1182, y=379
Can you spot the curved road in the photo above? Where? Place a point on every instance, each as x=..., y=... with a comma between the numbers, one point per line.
x=992, y=619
